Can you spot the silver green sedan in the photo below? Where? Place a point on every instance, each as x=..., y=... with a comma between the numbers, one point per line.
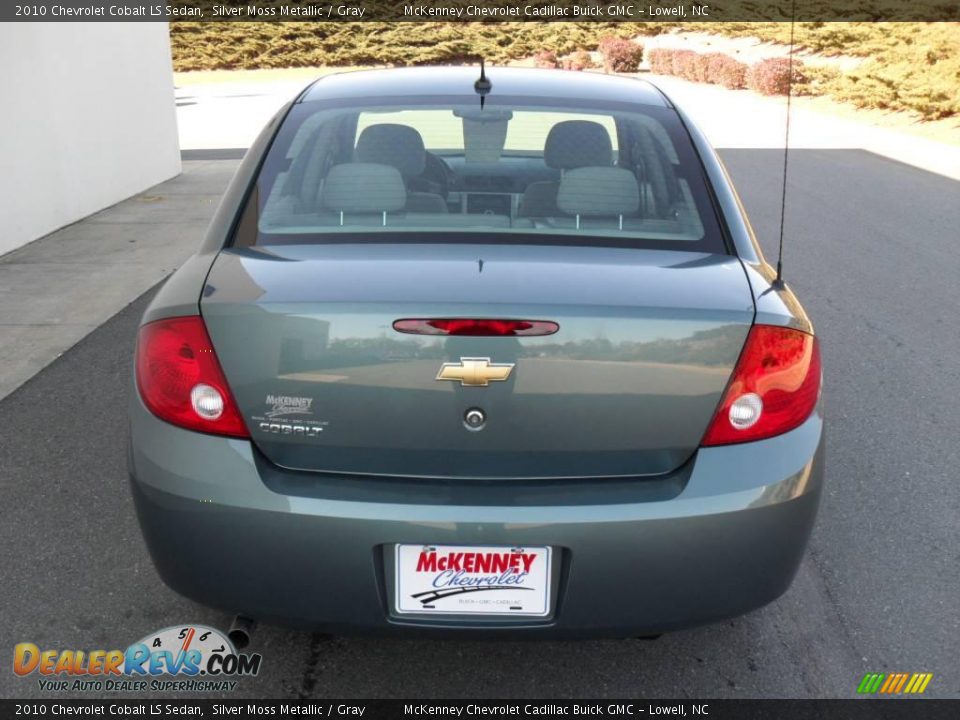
x=484, y=355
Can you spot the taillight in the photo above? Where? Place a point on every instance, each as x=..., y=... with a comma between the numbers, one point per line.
x=478, y=327
x=180, y=380
x=774, y=387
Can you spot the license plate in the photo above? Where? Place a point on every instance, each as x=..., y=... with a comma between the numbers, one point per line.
x=472, y=580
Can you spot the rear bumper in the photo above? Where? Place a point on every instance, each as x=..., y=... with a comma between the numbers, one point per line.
x=721, y=538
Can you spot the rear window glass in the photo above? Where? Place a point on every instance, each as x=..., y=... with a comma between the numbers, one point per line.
x=515, y=170
x=527, y=131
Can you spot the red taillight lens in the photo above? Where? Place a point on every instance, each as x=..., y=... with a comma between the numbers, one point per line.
x=482, y=327
x=180, y=380
x=774, y=387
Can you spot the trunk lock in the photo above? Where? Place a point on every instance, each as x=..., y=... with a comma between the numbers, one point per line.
x=474, y=419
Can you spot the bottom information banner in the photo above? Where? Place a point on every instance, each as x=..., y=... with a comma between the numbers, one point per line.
x=734, y=709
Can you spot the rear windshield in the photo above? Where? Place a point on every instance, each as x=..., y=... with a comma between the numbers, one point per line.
x=514, y=170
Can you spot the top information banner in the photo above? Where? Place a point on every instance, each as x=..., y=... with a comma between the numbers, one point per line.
x=479, y=11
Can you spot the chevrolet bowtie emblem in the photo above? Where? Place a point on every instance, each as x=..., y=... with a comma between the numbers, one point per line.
x=475, y=372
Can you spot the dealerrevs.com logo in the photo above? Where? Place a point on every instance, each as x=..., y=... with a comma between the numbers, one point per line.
x=179, y=658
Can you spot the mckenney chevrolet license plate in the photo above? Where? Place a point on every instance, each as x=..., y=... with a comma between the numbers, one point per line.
x=437, y=579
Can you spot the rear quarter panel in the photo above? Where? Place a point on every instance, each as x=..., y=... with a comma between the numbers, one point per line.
x=775, y=303
x=180, y=294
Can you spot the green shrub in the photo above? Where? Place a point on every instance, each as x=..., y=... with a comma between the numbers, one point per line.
x=816, y=80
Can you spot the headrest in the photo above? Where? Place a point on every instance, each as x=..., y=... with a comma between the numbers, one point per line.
x=577, y=143
x=397, y=145
x=363, y=188
x=598, y=191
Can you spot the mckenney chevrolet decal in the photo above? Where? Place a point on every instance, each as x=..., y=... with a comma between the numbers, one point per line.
x=451, y=579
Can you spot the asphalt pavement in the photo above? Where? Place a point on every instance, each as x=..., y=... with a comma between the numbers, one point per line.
x=871, y=249
x=56, y=290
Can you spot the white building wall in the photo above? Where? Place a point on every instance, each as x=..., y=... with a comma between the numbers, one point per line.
x=87, y=118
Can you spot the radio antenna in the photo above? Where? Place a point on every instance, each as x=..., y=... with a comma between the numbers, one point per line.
x=482, y=86
x=786, y=146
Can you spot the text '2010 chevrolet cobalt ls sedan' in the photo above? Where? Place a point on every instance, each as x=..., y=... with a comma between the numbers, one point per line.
x=461, y=358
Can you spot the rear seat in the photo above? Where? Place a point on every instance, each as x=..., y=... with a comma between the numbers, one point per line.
x=394, y=220
x=608, y=198
x=570, y=144
x=401, y=147
x=604, y=196
x=374, y=195
x=363, y=189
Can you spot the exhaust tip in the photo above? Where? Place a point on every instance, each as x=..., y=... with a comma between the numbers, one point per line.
x=239, y=638
x=240, y=631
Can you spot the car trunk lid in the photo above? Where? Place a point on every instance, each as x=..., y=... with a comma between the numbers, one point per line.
x=626, y=387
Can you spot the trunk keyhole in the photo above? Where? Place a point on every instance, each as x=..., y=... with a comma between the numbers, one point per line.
x=474, y=419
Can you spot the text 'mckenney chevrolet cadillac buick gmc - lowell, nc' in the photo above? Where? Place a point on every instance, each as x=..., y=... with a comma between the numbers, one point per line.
x=478, y=355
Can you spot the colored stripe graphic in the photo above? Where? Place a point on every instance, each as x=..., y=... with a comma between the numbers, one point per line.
x=894, y=683
x=870, y=683
x=919, y=683
x=901, y=682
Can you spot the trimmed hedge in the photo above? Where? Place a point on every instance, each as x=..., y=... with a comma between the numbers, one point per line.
x=580, y=60
x=681, y=63
x=768, y=77
x=620, y=55
x=772, y=76
x=546, y=59
x=724, y=70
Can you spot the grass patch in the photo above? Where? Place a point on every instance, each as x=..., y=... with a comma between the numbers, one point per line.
x=213, y=46
x=911, y=67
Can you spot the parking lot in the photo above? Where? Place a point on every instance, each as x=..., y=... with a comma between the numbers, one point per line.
x=872, y=251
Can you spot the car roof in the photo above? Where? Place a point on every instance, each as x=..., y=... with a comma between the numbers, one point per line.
x=452, y=81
